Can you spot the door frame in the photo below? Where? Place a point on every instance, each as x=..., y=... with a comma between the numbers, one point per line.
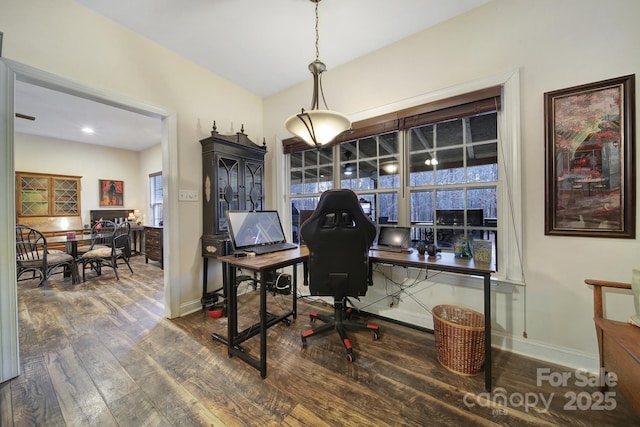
x=10, y=71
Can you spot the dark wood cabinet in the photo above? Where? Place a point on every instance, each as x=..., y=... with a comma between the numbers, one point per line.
x=232, y=179
x=153, y=245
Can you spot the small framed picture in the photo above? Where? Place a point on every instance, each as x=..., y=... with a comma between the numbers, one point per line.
x=111, y=193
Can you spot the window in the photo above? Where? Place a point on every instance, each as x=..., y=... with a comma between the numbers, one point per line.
x=371, y=167
x=311, y=174
x=458, y=161
x=155, y=198
x=453, y=179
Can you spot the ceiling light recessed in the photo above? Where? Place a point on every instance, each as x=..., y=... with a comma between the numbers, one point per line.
x=88, y=130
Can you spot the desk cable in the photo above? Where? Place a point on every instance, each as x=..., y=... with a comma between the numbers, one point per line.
x=395, y=296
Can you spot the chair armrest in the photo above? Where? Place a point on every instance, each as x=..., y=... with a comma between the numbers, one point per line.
x=597, y=293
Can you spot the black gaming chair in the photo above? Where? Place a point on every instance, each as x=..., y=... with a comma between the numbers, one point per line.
x=338, y=235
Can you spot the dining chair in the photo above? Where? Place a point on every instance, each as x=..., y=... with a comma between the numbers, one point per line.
x=101, y=234
x=33, y=256
x=107, y=255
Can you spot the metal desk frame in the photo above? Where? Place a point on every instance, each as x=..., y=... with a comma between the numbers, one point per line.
x=258, y=264
x=445, y=262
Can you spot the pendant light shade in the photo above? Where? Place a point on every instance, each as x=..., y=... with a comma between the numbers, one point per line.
x=318, y=127
x=315, y=126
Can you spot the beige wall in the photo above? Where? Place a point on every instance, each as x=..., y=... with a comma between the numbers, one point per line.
x=554, y=44
x=91, y=162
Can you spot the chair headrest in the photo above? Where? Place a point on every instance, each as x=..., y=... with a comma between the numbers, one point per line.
x=340, y=209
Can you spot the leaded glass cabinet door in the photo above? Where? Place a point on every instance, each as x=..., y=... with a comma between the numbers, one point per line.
x=65, y=196
x=253, y=190
x=33, y=195
x=229, y=187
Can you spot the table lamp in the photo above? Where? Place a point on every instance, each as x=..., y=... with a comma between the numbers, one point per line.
x=138, y=216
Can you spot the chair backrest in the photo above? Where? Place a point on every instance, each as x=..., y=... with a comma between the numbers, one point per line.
x=31, y=245
x=122, y=238
x=338, y=235
x=102, y=232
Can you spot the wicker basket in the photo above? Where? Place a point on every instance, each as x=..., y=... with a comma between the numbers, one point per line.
x=459, y=334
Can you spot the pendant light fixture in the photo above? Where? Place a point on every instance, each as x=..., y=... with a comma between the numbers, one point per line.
x=315, y=126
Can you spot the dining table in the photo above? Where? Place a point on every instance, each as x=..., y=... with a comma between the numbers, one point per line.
x=71, y=241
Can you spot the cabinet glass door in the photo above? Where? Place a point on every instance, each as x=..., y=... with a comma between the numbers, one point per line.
x=228, y=189
x=34, y=196
x=65, y=196
x=253, y=186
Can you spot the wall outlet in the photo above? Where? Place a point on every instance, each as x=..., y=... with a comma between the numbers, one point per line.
x=188, y=195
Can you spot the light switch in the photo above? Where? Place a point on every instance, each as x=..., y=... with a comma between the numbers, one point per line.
x=188, y=195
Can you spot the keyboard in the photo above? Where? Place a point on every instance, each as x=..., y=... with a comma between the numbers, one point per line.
x=267, y=249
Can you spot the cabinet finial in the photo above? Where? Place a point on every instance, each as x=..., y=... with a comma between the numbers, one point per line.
x=214, y=130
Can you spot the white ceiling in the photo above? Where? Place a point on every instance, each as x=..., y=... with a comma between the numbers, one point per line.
x=263, y=46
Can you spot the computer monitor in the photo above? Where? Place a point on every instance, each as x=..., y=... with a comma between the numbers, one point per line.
x=251, y=228
x=395, y=237
x=366, y=207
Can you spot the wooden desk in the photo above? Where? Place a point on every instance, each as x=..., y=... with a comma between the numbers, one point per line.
x=257, y=264
x=447, y=262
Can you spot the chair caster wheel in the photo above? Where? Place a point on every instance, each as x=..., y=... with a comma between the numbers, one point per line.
x=376, y=335
x=350, y=357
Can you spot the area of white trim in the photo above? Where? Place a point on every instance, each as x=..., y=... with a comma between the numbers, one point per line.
x=9, y=351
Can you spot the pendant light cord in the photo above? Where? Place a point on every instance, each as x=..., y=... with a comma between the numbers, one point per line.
x=317, y=32
x=321, y=90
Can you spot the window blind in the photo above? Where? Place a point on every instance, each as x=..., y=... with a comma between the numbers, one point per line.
x=477, y=102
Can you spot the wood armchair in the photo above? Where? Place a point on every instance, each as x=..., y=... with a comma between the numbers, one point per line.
x=618, y=345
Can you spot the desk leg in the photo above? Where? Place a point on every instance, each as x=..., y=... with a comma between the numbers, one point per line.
x=230, y=307
x=263, y=328
x=487, y=332
x=294, y=291
x=232, y=310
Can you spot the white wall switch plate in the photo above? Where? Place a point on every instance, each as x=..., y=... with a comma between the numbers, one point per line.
x=188, y=195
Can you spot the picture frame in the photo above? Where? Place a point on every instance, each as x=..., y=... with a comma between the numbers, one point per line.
x=590, y=159
x=111, y=193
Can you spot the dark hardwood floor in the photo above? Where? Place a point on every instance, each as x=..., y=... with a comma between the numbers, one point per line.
x=101, y=353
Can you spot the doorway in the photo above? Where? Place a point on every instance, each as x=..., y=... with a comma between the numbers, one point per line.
x=10, y=72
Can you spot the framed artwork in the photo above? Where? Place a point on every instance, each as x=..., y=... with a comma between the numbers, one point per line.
x=590, y=160
x=111, y=193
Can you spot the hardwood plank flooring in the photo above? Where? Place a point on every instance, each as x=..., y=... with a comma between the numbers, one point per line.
x=101, y=354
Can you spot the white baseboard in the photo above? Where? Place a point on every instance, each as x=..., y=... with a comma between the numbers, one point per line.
x=190, y=307
x=562, y=356
x=549, y=353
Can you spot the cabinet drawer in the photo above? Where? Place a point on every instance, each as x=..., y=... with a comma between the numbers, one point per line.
x=154, y=254
x=153, y=244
